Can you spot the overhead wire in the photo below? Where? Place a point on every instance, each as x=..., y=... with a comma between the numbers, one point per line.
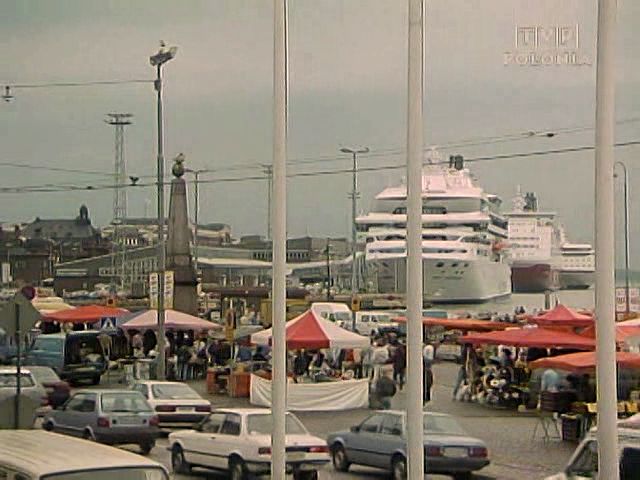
x=310, y=160
x=48, y=188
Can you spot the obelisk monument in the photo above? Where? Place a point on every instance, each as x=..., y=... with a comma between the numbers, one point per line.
x=185, y=297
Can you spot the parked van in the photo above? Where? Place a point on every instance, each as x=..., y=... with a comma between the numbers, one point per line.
x=40, y=455
x=336, y=312
x=375, y=323
x=75, y=356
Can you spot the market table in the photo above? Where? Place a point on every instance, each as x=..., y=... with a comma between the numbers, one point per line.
x=321, y=396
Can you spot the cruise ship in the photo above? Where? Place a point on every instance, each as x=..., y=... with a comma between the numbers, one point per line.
x=463, y=238
x=534, y=246
x=578, y=266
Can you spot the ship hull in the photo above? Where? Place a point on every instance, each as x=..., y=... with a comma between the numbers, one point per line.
x=576, y=280
x=448, y=281
x=536, y=278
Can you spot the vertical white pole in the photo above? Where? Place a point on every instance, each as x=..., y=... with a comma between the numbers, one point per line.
x=415, y=448
x=604, y=235
x=279, y=216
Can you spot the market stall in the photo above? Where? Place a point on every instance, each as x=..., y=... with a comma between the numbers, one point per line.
x=310, y=331
x=579, y=412
x=88, y=316
x=173, y=320
x=627, y=336
x=329, y=396
x=531, y=337
x=462, y=324
x=500, y=376
x=447, y=331
x=562, y=316
x=584, y=361
x=143, y=326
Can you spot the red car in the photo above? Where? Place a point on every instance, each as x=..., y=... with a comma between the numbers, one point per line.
x=58, y=391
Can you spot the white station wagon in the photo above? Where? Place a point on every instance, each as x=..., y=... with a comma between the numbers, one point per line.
x=239, y=441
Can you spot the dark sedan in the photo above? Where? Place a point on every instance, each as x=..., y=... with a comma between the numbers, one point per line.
x=380, y=441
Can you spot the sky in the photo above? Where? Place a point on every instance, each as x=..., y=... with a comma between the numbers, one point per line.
x=347, y=87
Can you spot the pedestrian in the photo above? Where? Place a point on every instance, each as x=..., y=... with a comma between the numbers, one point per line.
x=399, y=365
x=300, y=364
x=379, y=358
x=367, y=365
x=382, y=390
x=460, y=381
x=427, y=385
x=184, y=355
x=357, y=362
x=428, y=355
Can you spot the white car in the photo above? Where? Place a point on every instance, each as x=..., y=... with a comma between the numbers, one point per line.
x=583, y=464
x=238, y=441
x=176, y=404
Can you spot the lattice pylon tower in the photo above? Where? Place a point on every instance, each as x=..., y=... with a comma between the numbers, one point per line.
x=118, y=262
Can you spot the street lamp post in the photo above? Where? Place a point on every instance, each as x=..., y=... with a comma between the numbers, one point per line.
x=157, y=60
x=196, y=207
x=626, y=235
x=607, y=436
x=415, y=143
x=354, y=199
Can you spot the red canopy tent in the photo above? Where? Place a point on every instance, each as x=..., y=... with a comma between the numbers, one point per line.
x=562, y=316
x=584, y=361
x=310, y=330
x=623, y=332
x=464, y=324
x=85, y=314
x=531, y=337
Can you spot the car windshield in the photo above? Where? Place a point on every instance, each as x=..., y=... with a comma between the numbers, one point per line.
x=52, y=345
x=263, y=424
x=172, y=391
x=442, y=424
x=341, y=316
x=124, y=402
x=132, y=473
x=8, y=380
x=44, y=375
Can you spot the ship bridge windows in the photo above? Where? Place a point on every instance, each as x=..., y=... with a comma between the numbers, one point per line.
x=443, y=250
x=399, y=250
x=425, y=210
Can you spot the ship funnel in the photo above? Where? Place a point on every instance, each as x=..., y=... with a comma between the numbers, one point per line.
x=456, y=161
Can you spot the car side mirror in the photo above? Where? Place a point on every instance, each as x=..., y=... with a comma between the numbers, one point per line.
x=396, y=431
x=355, y=428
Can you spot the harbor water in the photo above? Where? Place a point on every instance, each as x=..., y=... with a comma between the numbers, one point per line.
x=530, y=301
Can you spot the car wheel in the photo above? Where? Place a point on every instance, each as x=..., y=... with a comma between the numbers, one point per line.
x=309, y=475
x=146, y=447
x=462, y=476
x=87, y=435
x=398, y=468
x=178, y=462
x=237, y=469
x=339, y=458
x=48, y=426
